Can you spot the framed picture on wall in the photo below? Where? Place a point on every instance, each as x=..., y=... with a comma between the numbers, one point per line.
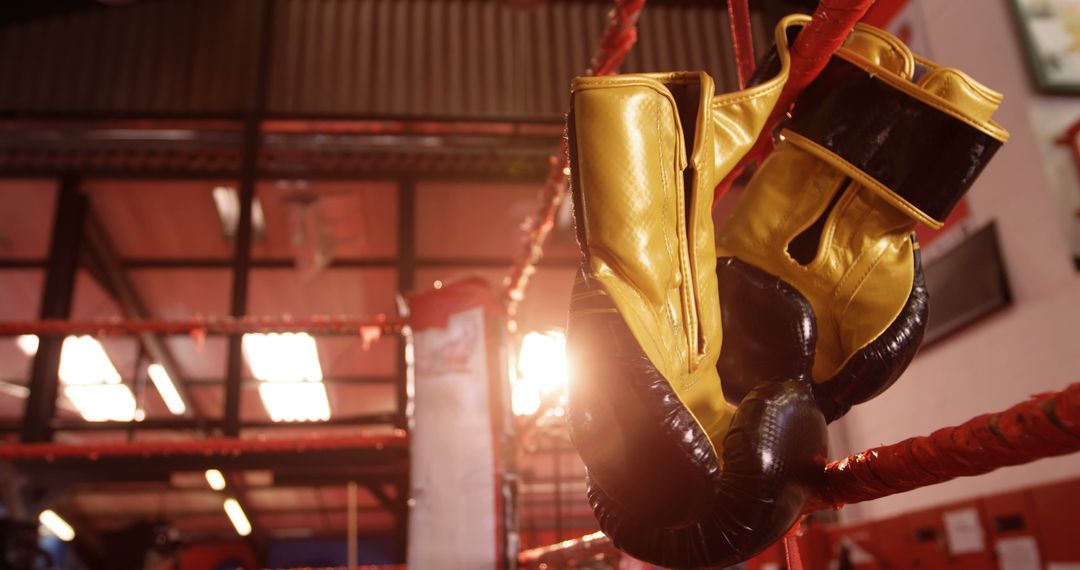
x=1050, y=30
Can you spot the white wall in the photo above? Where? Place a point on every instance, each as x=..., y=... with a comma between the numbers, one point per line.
x=1031, y=347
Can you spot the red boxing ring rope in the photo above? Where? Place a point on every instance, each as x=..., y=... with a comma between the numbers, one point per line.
x=832, y=21
x=1047, y=425
x=536, y=230
x=741, y=39
x=619, y=36
x=216, y=447
x=319, y=324
x=1044, y=426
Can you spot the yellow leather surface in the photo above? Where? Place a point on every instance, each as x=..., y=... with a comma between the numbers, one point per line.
x=648, y=225
x=863, y=272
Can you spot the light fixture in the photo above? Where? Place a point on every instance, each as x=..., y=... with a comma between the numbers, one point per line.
x=28, y=343
x=83, y=362
x=227, y=201
x=215, y=479
x=103, y=402
x=283, y=357
x=165, y=386
x=541, y=368
x=92, y=383
x=525, y=397
x=287, y=365
x=237, y=517
x=56, y=525
x=295, y=401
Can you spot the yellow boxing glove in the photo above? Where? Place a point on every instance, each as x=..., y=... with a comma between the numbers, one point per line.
x=679, y=475
x=879, y=141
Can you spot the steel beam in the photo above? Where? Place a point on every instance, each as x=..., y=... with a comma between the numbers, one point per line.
x=249, y=176
x=71, y=210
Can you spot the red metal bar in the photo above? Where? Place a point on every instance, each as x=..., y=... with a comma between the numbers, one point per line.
x=318, y=324
x=204, y=448
x=832, y=21
x=742, y=39
x=1044, y=426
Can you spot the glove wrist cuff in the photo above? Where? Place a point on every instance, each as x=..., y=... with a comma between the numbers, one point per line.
x=919, y=156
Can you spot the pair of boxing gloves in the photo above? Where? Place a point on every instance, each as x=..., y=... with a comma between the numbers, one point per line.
x=705, y=364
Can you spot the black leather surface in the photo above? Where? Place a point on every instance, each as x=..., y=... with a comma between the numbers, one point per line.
x=773, y=455
x=655, y=486
x=769, y=327
x=925, y=155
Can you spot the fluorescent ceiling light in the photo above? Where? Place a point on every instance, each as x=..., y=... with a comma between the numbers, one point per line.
x=215, y=479
x=83, y=362
x=91, y=382
x=543, y=360
x=236, y=515
x=283, y=357
x=227, y=201
x=28, y=343
x=56, y=525
x=288, y=366
x=102, y=402
x=165, y=386
x=295, y=402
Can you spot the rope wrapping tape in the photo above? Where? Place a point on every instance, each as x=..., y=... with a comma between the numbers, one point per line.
x=1046, y=425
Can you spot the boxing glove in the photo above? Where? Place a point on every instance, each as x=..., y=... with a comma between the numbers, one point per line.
x=879, y=141
x=678, y=474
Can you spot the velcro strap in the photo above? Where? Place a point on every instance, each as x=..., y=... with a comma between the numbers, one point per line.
x=921, y=155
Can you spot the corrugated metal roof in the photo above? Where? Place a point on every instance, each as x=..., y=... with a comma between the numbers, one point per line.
x=409, y=58
x=473, y=58
x=165, y=56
